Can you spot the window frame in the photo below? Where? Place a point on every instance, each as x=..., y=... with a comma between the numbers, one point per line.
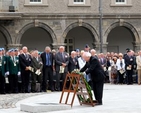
x=79, y=2
x=43, y=3
x=127, y=3
x=120, y=3
x=86, y=3
x=35, y=2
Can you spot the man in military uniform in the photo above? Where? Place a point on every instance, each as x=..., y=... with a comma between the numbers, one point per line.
x=14, y=71
x=3, y=72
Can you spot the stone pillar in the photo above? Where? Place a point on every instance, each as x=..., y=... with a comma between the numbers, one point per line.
x=104, y=47
x=10, y=46
x=137, y=46
x=97, y=47
x=56, y=46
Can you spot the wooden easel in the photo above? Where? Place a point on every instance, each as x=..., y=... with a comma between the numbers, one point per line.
x=76, y=86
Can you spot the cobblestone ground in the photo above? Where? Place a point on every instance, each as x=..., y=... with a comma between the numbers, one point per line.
x=10, y=100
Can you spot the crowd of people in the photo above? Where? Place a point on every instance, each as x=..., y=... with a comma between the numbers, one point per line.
x=37, y=67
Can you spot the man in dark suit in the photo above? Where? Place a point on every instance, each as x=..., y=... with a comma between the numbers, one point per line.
x=3, y=71
x=37, y=65
x=47, y=58
x=93, y=67
x=61, y=65
x=14, y=71
x=73, y=62
x=129, y=66
x=25, y=65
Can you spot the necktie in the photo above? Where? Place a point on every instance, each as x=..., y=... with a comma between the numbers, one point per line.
x=25, y=55
x=62, y=56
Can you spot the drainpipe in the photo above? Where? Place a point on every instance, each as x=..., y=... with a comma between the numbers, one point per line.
x=100, y=26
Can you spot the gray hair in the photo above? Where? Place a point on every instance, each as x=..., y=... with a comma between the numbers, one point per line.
x=87, y=54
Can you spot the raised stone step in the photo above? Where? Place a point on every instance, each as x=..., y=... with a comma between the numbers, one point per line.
x=43, y=107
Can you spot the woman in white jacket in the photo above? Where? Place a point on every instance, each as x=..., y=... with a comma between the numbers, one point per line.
x=120, y=68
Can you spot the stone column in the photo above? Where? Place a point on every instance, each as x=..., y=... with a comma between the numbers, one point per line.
x=137, y=46
x=56, y=46
x=104, y=47
x=10, y=46
x=97, y=47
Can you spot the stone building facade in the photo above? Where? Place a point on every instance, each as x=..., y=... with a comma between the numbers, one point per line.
x=72, y=23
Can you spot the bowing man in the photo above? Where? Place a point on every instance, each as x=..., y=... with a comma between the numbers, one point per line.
x=93, y=67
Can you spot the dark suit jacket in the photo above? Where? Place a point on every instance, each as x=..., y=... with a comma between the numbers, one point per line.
x=59, y=61
x=104, y=63
x=129, y=61
x=94, y=68
x=43, y=56
x=37, y=64
x=72, y=64
x=24, y=62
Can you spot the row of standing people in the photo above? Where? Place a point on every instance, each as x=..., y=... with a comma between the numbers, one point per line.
x=38, y=67
x=121, y=67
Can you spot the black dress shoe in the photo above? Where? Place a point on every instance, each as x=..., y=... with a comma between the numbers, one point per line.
x=98, y=104
x=3, y=93
x=95, y=101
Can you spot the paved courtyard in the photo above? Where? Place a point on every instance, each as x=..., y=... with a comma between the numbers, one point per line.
x=116, y=99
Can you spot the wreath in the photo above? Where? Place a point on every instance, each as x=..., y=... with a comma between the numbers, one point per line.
x=88, y=87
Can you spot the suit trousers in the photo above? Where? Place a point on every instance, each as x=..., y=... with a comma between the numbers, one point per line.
x=120, y=77
x=25, y=76
x=60, y=76
x=13, y=82
x=98, y=90
x=2, y=83
x=139, y=76
x=48, y=75
x=129, y=76
x=35, y=78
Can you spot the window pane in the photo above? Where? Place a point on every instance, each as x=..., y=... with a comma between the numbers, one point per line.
x=120, y=0
x=35, y=0
x=78, y=0
x=65, y=40
x=70, y=41
x=70, y=49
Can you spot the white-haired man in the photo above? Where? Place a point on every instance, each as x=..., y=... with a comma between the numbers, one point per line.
x=93, y=67
x=25, y=63
x=61, y=66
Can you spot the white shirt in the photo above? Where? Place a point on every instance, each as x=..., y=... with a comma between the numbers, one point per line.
x=118, y=64
x=81, y=62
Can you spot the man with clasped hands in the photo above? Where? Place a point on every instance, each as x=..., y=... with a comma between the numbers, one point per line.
x=25, y=64
x=61, y=65
x=93, y=67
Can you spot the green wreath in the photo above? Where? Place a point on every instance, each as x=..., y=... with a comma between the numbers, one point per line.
x=88, y=87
